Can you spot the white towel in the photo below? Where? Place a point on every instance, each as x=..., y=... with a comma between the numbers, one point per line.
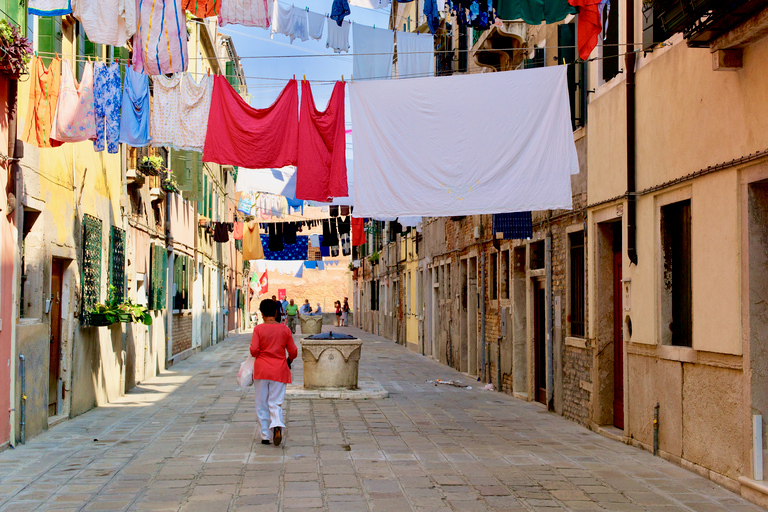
x=338, y=36
x=415, y=55
x=282, y=19
x=370, y=4
x=316, y=23
x=299, y=20
x=50, y=7
x=373, y=53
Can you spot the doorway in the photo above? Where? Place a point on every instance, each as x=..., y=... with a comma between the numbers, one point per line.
x=474, y=355
x=540, y=341
x=463, y=320
x=57, y=275
x=618, y=337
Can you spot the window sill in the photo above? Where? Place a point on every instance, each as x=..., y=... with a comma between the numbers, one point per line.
x=182, y=311
x=672, y=353
x=572, y=341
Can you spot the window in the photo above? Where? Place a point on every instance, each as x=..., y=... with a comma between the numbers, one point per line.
x=653, y=30
x=14, y=11
x=117, y=260
x=49, y=35
x=85, y=48
x=183, y=267
x=31, y=293
x=537, y=61
x=91, y=265
x=463, y=50
x=676, y=313
x=493, y=278
x=231, y=75
x=408, y=294
x=374, y=295
x=576, y=284
x=158, y=263
x=537, y=255
x=610, y=47
x=504, y=275
x=186, y=167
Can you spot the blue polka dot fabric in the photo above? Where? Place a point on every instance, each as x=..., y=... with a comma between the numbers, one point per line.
x=297, y=251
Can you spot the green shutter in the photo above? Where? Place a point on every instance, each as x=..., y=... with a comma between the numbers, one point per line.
x=205, y=195
x=117, y=260
x=91, y=276
x=231, y=76
x=85, y=48
x=49, y=37
x=158, y=278
x=15, y=11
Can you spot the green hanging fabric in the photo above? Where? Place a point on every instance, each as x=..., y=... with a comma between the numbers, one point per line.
x=534, y=12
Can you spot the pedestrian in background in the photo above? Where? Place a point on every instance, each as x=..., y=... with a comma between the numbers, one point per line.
x=337, y=305
x=305, y=308
x=284, y=308
x=292, y=313
x=345, y=312
x=271, y=371
x=279, y=312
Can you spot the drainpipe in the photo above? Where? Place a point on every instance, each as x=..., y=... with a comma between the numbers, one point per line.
x=14, y=184
x=485, y=360
x=23, y=404
x=169, y=280
x=548, y=319
x=629, y=64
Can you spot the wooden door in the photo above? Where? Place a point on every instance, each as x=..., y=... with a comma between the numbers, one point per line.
x=618, y=345
x=55, y=337
x=540, y=342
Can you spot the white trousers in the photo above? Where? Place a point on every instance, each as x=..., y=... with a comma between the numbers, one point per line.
x=269, y=401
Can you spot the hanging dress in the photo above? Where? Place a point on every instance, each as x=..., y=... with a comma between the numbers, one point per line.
x=160, y=43
x=165, y=109
x=43, y=97
x=135, y=113
x=194, y=107
x=74, y=120
x=249, y=13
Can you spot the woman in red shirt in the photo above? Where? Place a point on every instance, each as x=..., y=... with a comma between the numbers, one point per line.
x=271, y=372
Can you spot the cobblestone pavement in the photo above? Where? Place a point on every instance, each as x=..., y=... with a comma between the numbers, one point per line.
x=186, y=441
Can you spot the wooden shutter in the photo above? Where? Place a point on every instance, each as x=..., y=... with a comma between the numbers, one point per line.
x=49, y=37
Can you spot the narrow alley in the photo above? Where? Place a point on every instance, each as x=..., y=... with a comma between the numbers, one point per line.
x=186, y=440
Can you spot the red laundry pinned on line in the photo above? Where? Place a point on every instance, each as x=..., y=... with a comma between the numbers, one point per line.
x=590, y=25
x=358, y=231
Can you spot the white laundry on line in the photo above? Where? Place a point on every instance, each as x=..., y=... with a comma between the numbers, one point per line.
x=415, y=55
x=508, y=148
x=288, y=267
x=274, y=181
x=316, y=25
x=373, y=52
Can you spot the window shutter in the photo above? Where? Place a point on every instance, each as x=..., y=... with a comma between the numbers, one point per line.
x=49, y=37
x=91, y=277
x=117, y=260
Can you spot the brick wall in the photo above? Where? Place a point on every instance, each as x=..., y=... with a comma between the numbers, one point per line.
x=577, y=364
x=182, y=332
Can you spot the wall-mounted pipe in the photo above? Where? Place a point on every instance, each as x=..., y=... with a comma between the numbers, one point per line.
x=656, y=429
x=548, y=320
x=485, y=359
x=23, y=402
x=629, y=64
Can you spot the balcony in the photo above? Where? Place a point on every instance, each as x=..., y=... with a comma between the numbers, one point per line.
x=704, y=21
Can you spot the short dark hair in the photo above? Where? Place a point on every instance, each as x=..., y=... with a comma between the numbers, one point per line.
x=268, y=307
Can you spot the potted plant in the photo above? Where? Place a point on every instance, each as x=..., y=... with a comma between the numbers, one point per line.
x=151, y=165
x=374, y=257
x=15, y=50
x=169, y=183
x=115, y=310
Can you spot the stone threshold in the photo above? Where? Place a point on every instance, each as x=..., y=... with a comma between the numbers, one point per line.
x=368, y=389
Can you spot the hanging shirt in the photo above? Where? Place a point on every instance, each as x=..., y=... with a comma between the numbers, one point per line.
x=107, y=22
x=221, y=232
x=289, y=233
x=237, y=233
x=282, y=19
x=43, y=98
x=203, y=8
x=321, y=171
x=315, y=24
x=135, y=113
x=165, y=109
x=330, y=235
x=194, y=107
x=249, y=13
x=432, y=13
x=344, y=225
x=346, y=244
x=358, y=231
x=299, y=21
x=338, y=36
x=339, y=10
x=107, y=98
x=275, y=242
x=252, y=247
x=74, y=120
x=255, y=138
x=160, y=43
x=49, y=7
x=373, y=53
x=333, y=210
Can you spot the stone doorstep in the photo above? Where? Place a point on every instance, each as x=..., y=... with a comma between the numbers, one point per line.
x=368, y=389
x=754, y=491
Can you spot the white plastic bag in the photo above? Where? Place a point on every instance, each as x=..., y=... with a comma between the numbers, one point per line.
x=245, y=375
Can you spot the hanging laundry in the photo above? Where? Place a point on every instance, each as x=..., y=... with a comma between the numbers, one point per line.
x=333, y=211
x=74, y=121
x=112, y=22
x=237, y=232
x=135, y=112
x=311, y=265
x=295, y=204
x=338, y=36
x=373, y=53
x=49, y=8
x=314, y=240
x=344, y=225
x=107, y=99
x=160, y=43
x=514, y=226
x=325, y=250
x=415, y=55
x=335, y=251
x=203, y=8
x=299, y=21
x=339, y=10
x=276, y=237
x=315, y=24
x=590, y=24
x=478, y=14
x=534, y=12
x=300, y=273
x=330, y=235
x=297, y=251
x=370, y=4
x=358, y=231
x=166, y=100
x=241, y=135
x=249, y=13
x=289, y=233
x=43, y=98
x=344, y=210
x=432, y=14
x=322, y=166
x=346, y=244
x=290, y=267
x=252, y=245
x=394, y=176
x=409, y=222
x=194, y=108
x=221, y=232
x=282, y=19
x=275, y=181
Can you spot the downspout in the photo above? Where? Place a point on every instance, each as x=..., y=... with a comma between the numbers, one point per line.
x=629, y=63
x=169, y=280
x=14, y=187
x=485, y=359
x=548, y=320
x=23, y=401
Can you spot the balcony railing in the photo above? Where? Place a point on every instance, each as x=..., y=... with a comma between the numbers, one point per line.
x=703, y=21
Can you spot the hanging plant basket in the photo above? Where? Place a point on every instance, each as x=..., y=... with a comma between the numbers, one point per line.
x=99, y=319
x=15, y=51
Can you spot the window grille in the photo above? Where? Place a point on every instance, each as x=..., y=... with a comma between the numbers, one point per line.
x=91, y=278
x=117, y=260
x=158, y=277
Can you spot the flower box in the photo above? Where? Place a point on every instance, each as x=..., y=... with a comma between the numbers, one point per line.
x=98, y=319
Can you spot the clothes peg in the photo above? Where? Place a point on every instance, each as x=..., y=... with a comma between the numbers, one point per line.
x=351, y=79
x=305, y=78
x=209, y=71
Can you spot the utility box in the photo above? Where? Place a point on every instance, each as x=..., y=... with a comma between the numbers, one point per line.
x=330, y=361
